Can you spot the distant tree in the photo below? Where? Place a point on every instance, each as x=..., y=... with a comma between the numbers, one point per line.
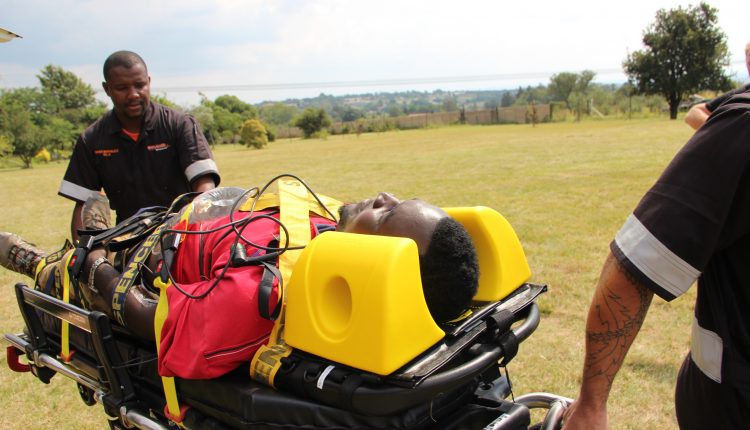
x=531, y=95
x=84, y=117
x=394, y=109
x=228, y=123
x=507, y=99
x=163, y=100
x=253, y=134
x=685, y=53
x=624, y=97
x=65, y=88
x=421, y=105
x=59, y=133
x=278, y=113
x=65, y=96
x=491, y=104
x=6, y=148
x=23, y=135
x=571, y=88
x=28, y=125
x=346, y=113
x=450, y=103
x=603, y=98
x=580, y=99
x=312, y=121
x=561, y=85
x=205, y=117
x=32, y=99
x=234, y=105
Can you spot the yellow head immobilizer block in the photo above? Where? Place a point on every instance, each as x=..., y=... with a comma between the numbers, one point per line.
x=357, y=299
x=502, y=262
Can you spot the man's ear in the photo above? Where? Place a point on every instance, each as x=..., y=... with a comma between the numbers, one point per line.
x=106, y=87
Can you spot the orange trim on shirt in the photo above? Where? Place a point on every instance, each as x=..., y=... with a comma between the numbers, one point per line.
x=131, y=135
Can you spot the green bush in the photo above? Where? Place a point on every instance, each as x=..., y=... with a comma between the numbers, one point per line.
x=312, y=121
x=253, y=134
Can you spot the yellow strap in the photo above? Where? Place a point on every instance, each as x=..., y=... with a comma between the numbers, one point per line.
x=295, y=216
x=167, y=382
x=295, y=204
x=267, y=362
x=39, y=267
x=51, y=258
x=131, y=272
x=162, y=310
x=64, y=327
x=271, y=200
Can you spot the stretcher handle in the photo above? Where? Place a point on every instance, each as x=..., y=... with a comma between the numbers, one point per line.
x=555, y=404
x=529, y=325
x=486, y=357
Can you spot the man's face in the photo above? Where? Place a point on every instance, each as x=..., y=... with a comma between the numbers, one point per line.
x=385, y=215
x=129, y=90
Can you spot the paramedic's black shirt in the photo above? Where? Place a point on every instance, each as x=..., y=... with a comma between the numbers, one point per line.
x=694, y=223
x=714, y=104
x=171, y=152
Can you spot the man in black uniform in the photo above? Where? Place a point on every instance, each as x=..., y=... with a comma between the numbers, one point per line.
x=141, y=153
x=694, y=224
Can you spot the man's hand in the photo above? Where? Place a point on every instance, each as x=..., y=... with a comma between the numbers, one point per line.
x=697, y=116
x=580, y=416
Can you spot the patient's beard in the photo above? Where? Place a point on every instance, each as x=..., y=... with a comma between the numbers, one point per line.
x=343, y=216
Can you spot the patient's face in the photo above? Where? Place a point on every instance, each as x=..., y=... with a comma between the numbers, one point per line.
x=386, y=215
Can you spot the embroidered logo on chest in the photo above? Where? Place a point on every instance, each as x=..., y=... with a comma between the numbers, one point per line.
x=158, y=147
x=106, y=152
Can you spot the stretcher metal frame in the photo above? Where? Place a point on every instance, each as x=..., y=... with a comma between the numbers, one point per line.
x=106, y=380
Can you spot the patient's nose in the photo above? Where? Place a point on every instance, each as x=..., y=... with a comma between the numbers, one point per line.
x=385, y=200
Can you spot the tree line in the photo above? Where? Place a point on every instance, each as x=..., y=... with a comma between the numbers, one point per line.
x=684, y=52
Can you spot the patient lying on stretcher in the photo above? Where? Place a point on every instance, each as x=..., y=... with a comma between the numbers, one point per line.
x=215, y=319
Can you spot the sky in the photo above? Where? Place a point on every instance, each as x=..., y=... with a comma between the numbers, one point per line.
x=265, y=50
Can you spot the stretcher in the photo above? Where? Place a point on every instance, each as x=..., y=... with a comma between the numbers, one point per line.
x=331, y=380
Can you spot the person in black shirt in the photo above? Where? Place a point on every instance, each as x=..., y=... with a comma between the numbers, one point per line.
x=692, y=225
x=699, y=113
x=140, y=153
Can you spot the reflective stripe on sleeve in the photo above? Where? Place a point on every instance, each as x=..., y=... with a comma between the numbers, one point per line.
x=199, y=168
x=654, y=259
x=706, y=349
x=76, y=192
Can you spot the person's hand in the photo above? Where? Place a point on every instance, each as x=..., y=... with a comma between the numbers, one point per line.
x=580, y=416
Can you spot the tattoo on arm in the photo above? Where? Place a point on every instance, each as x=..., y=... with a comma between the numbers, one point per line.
x=619, y=319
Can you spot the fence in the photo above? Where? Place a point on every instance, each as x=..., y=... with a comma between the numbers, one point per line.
x=509, y=115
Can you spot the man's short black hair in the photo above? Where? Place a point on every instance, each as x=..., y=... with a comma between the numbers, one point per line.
x=125, y=59
x=450, y=271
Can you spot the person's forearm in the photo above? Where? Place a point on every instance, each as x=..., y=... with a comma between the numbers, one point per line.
x=204, y=183
x=76, y=221
x=617, y=312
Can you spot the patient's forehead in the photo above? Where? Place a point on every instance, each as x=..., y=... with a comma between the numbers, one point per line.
x=387, y=215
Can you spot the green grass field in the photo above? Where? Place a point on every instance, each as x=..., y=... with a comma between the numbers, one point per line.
x=566, y=188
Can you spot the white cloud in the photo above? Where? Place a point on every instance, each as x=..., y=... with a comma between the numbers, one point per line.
x=195, y=43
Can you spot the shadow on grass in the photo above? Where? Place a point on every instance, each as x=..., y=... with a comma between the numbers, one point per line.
x=653, y=370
